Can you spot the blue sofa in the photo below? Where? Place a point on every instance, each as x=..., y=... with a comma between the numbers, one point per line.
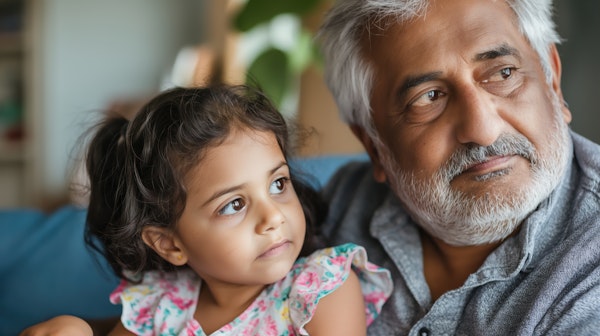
x=46, y=269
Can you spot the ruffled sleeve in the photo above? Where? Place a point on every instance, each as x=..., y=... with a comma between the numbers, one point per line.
x=162, y=303
x=326, y=270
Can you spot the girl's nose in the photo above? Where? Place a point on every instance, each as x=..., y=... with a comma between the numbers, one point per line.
x=270, y=219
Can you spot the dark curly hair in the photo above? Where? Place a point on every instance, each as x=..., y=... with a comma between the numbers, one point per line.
x=137, y=168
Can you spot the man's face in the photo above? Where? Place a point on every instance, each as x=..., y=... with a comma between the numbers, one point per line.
x=472, y=137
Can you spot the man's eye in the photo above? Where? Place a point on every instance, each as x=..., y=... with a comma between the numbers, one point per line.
x=502, y=75
x=233, y=207
x=506, y=72
x=427, y=98
x=278, y=186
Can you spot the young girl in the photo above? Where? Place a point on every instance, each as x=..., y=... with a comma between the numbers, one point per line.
x=196, y=210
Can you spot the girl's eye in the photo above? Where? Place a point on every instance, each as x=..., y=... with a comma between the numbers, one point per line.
x=233, y=207
x=278, y=186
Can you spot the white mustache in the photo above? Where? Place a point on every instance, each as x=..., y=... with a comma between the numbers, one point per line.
x=468, y=156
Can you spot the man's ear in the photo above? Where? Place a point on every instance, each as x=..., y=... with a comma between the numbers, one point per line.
x=363, y=136
x=556, y=65
x=165, y=244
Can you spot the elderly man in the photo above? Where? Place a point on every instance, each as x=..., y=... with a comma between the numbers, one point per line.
x=478, y=197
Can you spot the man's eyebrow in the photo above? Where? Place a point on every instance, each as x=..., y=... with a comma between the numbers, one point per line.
x=412, y=81
x=500, y=51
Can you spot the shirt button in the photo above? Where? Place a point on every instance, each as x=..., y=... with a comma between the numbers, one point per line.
x=424, y=332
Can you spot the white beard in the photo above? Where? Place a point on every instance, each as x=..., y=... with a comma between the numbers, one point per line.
x=463, y=220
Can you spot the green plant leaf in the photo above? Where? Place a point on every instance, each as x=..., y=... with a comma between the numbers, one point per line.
x=270, y=71
x=256, y=12
x=302, y=54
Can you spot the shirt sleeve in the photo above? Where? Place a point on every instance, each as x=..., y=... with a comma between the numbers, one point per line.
x=325, y=270
x=162, y=303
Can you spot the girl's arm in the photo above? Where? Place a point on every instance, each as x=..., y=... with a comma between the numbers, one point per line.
x=67, y=325
x=61, y=325
x=341, y=312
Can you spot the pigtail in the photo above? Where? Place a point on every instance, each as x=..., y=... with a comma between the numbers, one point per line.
x=105, y=164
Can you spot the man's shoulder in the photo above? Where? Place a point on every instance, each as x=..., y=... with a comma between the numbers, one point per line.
x=355, y=182
x=353, y=196
x=587, y=155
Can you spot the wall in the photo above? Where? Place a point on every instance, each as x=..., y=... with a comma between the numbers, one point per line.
x=579, y=26
x=84, y=56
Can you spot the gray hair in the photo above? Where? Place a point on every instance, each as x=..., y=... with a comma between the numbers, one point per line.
x=350, y=77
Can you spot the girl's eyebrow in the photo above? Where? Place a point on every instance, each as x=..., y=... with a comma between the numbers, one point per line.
x=222, y=192
x=281, y=164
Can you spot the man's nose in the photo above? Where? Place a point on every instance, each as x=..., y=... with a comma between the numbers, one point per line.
x=270, y=217
x=478, y=118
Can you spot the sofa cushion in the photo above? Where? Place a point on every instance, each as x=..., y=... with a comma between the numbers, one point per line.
x=46, y=269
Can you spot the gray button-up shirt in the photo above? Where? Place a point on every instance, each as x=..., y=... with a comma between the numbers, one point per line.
x=545, y=280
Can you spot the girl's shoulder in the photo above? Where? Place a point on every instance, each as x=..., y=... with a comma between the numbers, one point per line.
x=324, y=271
x=331, y=265
x=157, y=300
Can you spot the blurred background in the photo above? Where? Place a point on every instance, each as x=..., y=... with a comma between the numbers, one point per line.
x=63, y=63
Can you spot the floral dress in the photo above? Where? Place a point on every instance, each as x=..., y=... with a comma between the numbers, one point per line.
x=164, y=304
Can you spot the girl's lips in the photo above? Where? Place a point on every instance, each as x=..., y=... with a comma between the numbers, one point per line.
x=275, y=249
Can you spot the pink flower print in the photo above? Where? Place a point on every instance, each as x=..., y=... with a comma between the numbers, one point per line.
x=144, y=315
x=262, y=305
x=191, y=286
x=372, y=267
x=244, y=315
x=276, y=293
x=330, y=285
x=115, y=296
x=180, y=302
x=252, y=310
x=163, y=328
x=270, y=327
x=122, y=284
x=308, y=280
x=339, y=260
x=373, y=303
x=375, y=296
x=168, y=286
x=251, y=330
x=192, y=328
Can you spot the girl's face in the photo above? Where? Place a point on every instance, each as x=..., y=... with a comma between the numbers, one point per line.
x=243, y=223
